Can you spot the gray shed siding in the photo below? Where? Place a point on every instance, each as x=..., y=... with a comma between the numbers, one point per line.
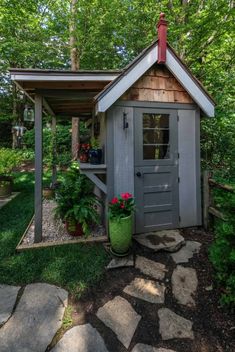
x=120, y=160
x=189, y=168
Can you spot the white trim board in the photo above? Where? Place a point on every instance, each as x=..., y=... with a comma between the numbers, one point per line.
x=128, y=80
x=67, y=78
x=189, y=84
x=138, y=70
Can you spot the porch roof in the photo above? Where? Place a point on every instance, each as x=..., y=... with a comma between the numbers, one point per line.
x=65, y=93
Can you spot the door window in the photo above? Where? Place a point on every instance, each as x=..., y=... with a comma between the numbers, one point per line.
x=156, y=136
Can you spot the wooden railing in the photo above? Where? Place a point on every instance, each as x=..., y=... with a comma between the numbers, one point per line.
x=209, y=208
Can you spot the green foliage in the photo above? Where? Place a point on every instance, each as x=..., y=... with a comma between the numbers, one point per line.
x=9, y=159
x=74, y=267
x=95, y=143
x=222, y=251
x=75, y=199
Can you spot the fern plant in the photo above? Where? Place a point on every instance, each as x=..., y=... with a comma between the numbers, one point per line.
x=76, y=201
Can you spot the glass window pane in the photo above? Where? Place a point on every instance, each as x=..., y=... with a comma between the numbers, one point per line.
x=151, y=152
x=154, y=136
x=155, y=121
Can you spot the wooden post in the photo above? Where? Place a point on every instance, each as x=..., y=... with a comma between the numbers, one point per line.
x=206, y=199
x=38, y=169
x=75, y=137
x=54, y=170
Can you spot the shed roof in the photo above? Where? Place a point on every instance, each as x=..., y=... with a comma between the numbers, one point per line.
x=140, y=65
x=66, y=93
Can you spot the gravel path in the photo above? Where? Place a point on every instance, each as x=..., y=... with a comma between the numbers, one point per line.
x=53, y=229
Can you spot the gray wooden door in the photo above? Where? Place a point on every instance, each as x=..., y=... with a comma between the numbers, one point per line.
x=156, y=169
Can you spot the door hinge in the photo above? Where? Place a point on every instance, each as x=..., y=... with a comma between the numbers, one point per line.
x=178, y=155
x=179, y=218
x=178, y=118
x=178, y=179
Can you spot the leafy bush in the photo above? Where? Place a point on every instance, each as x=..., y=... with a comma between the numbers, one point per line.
x=75, y=199
x=222, y=251
x=9, y=159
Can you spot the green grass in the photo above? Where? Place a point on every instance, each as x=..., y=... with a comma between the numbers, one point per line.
x=74, y=267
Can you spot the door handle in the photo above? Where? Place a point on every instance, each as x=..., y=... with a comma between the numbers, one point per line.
x=138, y=174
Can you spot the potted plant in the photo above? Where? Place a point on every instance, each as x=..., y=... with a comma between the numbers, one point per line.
x=9, y=159
x=121, y=210
x=76, y=203
x=83, y=150
x=95, y=153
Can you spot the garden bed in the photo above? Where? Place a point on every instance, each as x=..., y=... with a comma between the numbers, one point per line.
x=54, y=232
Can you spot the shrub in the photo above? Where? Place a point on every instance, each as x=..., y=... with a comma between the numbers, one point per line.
x=9, y=159
x=222, y=251
x=75, y=199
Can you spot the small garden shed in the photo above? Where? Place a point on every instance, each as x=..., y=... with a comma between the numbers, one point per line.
x=147, y=117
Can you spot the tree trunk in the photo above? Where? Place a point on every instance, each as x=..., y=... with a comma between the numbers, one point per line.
x=74, y=67
x=73, y=36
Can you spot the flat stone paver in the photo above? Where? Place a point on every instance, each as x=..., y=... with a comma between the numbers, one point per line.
x=36, y=319
x=121, y=262
x=167, y=240
x=186, y=252
x=151, y=268
x=184, y=285
x=119, y=316
x=148, y=290
x=82, y=338
x=146, y=348
x=173, y=326
x=8, y=295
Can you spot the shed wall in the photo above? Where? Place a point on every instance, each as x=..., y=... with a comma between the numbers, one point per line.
x=120, y=151
x=189, y=168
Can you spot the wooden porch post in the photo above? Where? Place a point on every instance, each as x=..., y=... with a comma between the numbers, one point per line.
x=38, y=169
x=75, y=137
x=53, y=129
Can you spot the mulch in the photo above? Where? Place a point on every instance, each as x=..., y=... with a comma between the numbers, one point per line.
x=214, y=327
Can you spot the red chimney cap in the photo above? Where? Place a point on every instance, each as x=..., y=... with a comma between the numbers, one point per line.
x=162, y=38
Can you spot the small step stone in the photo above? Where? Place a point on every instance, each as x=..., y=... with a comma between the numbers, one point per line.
x=119, y=316
x=186, y=252
x=82, y=338
x=121, y=262
x=151, y=268
x=146, y=348
x=184, y=285
x=173, y=326
x=167, y=240
x=8, y=295
x=147, y=290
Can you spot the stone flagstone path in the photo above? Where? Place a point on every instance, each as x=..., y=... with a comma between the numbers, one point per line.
x=34, y=322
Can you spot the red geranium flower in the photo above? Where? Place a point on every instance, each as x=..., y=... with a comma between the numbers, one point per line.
x=114, y=200
x=122, y=205
x=126, y=195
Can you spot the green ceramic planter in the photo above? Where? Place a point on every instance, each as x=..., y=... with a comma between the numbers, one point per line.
x=120, y=232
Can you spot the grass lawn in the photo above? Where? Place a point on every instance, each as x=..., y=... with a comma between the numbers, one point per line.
x=74, y=267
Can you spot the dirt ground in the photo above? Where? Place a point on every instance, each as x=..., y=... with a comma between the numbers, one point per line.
x=214, y=327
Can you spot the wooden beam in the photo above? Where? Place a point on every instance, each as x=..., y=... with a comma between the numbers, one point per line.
x=48, y=107
x=227, y=188
x=75, y=137
x=38, y=169
x=216, y=213
x=54, y=170
x=96, y=85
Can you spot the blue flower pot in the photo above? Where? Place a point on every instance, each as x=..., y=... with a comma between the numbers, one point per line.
x=95, y=156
